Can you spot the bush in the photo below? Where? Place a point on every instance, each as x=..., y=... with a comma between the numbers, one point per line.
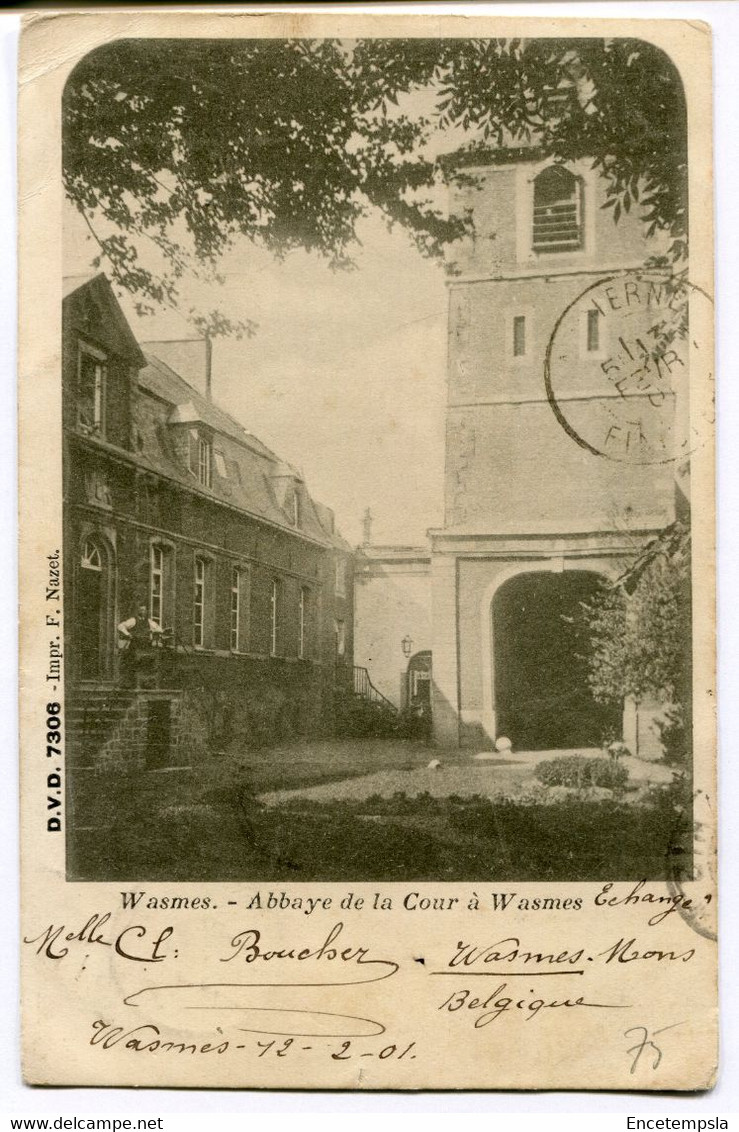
x=675, y=737
x=574, y=770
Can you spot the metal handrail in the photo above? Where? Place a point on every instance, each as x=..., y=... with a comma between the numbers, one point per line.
x=364, y=687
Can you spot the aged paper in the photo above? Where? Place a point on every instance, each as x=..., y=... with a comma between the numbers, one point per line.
x=367, y=530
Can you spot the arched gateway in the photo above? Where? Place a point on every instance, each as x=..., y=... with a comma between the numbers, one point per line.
x=540, y=662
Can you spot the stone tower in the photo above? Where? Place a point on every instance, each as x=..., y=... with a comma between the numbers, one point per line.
x=549, y=488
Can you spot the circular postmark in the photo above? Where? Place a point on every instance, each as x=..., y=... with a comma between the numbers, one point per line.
x=620, y=364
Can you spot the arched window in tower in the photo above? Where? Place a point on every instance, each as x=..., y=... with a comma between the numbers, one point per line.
x=557, y=211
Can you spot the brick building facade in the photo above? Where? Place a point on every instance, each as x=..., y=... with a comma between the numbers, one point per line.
x=169, y=503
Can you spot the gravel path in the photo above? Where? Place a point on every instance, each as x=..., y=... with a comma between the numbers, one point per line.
x=442, y=782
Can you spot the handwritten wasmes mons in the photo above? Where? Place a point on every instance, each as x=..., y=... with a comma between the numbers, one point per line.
x=336, y=958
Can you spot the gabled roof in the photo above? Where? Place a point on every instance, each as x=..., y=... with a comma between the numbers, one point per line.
x=72, y=283
x=79, y=292
x=187, y=357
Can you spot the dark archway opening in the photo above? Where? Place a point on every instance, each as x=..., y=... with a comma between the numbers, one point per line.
x=418, y=677
x=542, y=697
x=417, y=696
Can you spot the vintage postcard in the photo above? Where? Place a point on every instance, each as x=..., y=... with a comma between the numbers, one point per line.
x=367, y=540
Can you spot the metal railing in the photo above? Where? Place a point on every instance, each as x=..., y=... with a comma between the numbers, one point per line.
x=364, y=688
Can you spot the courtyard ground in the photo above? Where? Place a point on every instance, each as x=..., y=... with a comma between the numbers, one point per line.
x=356, y=770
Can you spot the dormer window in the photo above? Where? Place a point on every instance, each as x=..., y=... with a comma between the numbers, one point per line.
x=91, y=377
x=557, y=211
x=204, y=462
x=296, y=515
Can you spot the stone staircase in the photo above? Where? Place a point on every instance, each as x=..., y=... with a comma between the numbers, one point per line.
x=93, y=717
x=111, y=748
x=361, y=710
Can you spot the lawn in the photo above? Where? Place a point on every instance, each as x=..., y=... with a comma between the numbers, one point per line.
x=313, y=814
x=332, y=760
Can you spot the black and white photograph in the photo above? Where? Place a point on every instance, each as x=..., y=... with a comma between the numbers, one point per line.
x=367, y=530
x=377, y=443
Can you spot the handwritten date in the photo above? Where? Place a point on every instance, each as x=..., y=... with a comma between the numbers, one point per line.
x=150, y=1038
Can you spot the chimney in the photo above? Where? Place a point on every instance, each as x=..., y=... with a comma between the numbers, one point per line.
x=367, y=525
x=208, y=368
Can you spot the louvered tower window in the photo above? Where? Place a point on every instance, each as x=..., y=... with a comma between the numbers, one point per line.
x=557, y=211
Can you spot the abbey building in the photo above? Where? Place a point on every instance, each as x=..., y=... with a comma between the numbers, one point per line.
x=207, y=594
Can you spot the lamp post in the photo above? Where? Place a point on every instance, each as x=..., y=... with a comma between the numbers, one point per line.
x=407, y=645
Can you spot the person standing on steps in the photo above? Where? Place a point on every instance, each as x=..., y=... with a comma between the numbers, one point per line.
x=137, y=636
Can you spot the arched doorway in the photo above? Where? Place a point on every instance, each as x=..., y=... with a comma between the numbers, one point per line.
x=94, y=610
x=418, y=695
x=418, y=677
x=542, y=697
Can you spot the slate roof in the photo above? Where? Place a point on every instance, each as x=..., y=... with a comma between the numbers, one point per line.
x=246, y=474
x=251, y=469
x=160, y=379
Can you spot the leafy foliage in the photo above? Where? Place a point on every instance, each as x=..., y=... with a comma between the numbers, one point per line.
x=187, y=144
x=640, y=633
x=640, y=629
x=173, y=149
x=618, y=102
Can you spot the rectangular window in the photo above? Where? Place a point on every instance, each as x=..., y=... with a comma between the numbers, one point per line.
x=91, y=375
x=156, y=585
x=302, y=623
x=235, y=609
x=593, y=331
x=519, y=336
x=274, y=603
x=199, y=603
x=341, y=639
x=204, y=459
x=340, y=577
x=296, y=509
